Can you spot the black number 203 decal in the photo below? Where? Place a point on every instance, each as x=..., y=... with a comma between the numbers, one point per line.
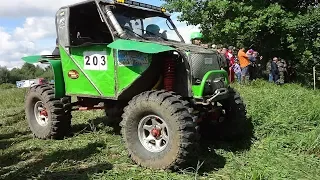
x=94, y=60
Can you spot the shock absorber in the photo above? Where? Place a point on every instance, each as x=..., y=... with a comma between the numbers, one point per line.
x=169, y=73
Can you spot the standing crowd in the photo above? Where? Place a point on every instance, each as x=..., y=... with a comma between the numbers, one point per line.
x=243, y=65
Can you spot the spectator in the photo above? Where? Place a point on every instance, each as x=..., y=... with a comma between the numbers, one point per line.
x=231, y=61
x=282, y=68
x=222, y=52
x=249, y=54
x=196, y=38
x=253, y=66
x=237, y=70
x=269, y=73
x=275, y=70
x=244, y=63
x=219, y=48
x=258, y=66
x=214, y=47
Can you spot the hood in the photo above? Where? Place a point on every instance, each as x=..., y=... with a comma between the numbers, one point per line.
x=158, y=46
x=187, y=47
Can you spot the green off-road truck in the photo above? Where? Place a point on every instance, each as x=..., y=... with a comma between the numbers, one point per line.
x=164, y=92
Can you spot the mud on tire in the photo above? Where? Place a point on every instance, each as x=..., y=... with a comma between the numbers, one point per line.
x=168, y=112
x=48, y=117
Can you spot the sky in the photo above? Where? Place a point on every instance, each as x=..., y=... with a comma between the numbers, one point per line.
x=27, y=28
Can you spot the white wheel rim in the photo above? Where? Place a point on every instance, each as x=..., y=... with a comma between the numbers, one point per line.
x=42, y=120
x=153, y=133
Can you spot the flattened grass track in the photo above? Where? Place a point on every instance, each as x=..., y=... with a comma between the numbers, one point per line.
x=285, y=143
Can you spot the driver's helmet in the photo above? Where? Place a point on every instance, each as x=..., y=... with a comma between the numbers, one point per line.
x=196, y=35
x=153, y=28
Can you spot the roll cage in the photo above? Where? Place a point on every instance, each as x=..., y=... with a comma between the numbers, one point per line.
x=93, y=21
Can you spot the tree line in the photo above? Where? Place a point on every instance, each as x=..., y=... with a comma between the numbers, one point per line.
x=27, y=71
x=282, y=28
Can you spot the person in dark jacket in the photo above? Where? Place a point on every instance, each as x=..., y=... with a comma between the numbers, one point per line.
x=274, y=69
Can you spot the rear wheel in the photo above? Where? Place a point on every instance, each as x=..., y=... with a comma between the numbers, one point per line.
x=113, y=112
x=158, y=130
x=47, y=116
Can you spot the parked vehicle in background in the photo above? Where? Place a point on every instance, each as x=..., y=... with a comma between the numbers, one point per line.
x=30, y=82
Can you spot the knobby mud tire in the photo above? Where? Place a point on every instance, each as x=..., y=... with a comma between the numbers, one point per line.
x=176, y=115
x=113, y=115
x=59, y=113
x=236, y=126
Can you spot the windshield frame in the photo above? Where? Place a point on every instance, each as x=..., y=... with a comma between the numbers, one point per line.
x=120, y=31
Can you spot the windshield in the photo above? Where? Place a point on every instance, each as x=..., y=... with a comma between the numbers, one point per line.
x=146, y=25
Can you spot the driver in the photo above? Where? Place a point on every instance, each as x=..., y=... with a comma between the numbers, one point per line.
x=153, y=30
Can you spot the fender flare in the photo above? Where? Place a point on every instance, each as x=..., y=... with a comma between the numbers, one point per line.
x=55, y=62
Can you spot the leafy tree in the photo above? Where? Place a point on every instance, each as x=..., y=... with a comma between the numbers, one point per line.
x=4, y=75
x=16, y=75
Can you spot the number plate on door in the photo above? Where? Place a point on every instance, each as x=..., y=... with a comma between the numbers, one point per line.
x=95, y=60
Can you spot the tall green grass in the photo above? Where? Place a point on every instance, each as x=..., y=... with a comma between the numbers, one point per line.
x=285, y=145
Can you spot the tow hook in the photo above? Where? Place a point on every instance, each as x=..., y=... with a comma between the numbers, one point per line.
x=218, y=92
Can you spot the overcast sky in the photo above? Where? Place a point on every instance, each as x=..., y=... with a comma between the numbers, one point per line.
x=27, y=27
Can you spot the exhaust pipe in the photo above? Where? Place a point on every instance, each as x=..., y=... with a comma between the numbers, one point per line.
x=114, y=22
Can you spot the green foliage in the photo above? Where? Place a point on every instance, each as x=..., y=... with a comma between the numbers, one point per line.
x=4, y=75
x=285, y=28
x=7, y=86
x=286, y=143
x=27, y=71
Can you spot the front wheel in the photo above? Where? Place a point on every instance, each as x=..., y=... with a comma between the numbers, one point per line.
x=158, y=130
x=231, y=123
x=47, y=116
x=235, y=126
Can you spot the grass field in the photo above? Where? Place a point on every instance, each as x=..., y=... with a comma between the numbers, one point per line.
x=285, y=145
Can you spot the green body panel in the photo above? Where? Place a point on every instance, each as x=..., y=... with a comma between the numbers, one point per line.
x=112, y=71
x=59, y=85
x=93, y=80
x=123, y=67
x=131, y=64
x=198, y=89
x=129, y=45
